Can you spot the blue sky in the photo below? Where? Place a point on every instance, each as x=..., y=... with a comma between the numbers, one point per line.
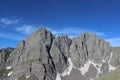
x=20, y=18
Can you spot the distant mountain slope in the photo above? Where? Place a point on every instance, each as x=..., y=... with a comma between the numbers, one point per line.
x=4, y=55
x=115, y=75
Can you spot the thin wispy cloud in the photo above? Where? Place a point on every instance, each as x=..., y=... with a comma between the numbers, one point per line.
x=9, y=21
x=114, y=41
x=26, y=29
x=12, y=36
x=73, y=32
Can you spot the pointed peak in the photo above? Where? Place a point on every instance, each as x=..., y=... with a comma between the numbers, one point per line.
x=42, y=29
x=87, y=35
x=84, y=35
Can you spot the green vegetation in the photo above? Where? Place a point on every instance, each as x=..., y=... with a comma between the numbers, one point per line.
x=115, y=75
x=22, y=78
x=4, y=72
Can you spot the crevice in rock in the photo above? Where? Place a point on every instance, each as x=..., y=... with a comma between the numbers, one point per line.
x=45, y=71
x=30, y=67
x=21, y=52
x=50, y=59
x=84, y=48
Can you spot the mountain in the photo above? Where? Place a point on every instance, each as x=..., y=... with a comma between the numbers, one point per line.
x=43, y=56
x=4, y=55
x=115, y=75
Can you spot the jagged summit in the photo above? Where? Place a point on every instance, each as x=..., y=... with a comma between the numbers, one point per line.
x=42, y=29
x=45, y=30
x=42, y=56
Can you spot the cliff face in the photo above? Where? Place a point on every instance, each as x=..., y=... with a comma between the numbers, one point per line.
x=4, y=55
x=46, y=57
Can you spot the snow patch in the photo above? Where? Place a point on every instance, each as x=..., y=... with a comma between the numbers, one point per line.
x=9, y=73
x=10, y=54
x=97, y=66
x=58, y=76
x=110, y=58
x=69, y=69
x=28, y=76
x=111, y=68
x=103, y=61
x=9, y=67
x=91, y=79
x=85, y=68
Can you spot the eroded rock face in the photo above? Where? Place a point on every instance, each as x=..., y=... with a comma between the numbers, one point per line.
x=60, y=52
x=115, y=60
x=33, y=57
x=46, y=57
x=4, y=55
x=89, y=47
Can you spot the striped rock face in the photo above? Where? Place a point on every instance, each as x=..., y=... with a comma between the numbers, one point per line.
x=90, y=71
x=45, y=57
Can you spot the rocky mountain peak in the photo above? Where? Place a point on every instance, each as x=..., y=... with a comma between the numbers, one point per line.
x=43, y=56
x=43, y=33
x=42, y=29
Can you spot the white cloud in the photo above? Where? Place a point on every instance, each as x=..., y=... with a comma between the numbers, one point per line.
x=9, y=21
x=99, y=33
x=26, y=29
x=115, y=42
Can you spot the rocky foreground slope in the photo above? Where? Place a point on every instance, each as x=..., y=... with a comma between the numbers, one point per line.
x=114, y=75
x=45, y=57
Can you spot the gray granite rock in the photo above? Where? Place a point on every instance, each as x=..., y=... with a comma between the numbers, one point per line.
x=115, y=60
x=4, y=55
x=42, y=56
x=89, y=47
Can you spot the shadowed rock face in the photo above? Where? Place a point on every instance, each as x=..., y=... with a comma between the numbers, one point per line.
x=46, y=57
x=4, y=54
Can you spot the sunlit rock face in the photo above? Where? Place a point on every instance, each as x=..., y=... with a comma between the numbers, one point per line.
x=43, y=56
